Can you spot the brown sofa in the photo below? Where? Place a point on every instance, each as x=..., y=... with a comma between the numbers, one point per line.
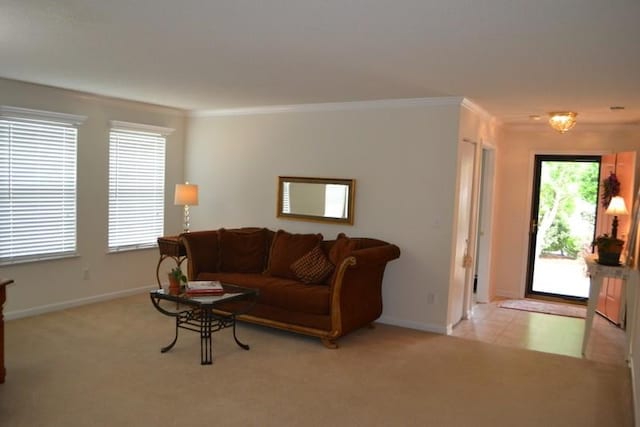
x=322, y=288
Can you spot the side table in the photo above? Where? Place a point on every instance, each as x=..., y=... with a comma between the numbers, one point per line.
x=597, y=272
x=3, y=297
x=205, y=315
x=170, y=247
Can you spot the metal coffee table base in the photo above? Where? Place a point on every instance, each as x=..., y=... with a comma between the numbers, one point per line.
x=205, y=322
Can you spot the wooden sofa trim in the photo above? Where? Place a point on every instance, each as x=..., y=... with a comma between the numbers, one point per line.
x=319, y=333
x=336, y=313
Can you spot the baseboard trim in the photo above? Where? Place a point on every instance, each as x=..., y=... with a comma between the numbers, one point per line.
x=18, y=314
x=428, y=327
x=504, y=293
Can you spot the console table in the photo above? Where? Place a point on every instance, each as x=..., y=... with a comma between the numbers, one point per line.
x=597, y=272
x=170, y=247
x=3, y=297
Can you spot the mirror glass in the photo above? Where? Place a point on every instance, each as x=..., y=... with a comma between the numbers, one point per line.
x=316, y=199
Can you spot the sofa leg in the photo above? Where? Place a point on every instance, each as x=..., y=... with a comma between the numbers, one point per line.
x=329, y=343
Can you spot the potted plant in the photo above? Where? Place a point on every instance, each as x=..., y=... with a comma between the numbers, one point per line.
x=609, y=249
x=176, y=278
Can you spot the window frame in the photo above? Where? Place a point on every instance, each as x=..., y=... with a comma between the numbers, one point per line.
x=133, y=130
x=41, y=119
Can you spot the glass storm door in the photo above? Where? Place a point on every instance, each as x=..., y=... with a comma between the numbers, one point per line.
x=562, y=225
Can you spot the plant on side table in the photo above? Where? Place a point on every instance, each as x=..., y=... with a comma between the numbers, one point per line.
x=609, y=249
x=176, y=278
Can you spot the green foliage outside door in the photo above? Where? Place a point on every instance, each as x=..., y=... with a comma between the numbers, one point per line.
x=566, y=214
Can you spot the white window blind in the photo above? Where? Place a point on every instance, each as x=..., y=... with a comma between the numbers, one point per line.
x=37, y=184
x=136, y=185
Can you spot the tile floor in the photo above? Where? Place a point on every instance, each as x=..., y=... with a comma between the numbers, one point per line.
x=544, y=332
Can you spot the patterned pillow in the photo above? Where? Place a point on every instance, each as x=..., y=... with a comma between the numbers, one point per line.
x=313, y=267
x=286, y=248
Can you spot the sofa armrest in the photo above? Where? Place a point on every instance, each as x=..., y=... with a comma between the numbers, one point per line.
x=375, y=255
x=356, y=298
x=202, y=252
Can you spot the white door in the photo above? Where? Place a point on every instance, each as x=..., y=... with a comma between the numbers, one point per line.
x=463, y=261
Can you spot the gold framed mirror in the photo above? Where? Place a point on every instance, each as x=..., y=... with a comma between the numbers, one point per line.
x=316, y=199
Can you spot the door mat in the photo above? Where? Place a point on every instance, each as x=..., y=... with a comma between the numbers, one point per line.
x=545, y=307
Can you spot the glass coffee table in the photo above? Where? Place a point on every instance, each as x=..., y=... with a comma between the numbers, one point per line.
x=202, y=314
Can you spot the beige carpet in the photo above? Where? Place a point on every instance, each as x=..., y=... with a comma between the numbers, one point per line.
x=100, y=365
x=545, y=307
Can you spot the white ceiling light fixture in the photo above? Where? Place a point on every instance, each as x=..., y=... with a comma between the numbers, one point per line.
x=562, y=121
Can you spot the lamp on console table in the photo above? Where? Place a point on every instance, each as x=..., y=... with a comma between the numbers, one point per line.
x=187, y=195
x=610, y=247
x=616, y=207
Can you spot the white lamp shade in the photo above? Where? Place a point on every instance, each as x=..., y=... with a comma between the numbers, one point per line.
x=617, y=207
x=186, y=194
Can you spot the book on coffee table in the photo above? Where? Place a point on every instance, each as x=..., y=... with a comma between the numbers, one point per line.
x=201, y=287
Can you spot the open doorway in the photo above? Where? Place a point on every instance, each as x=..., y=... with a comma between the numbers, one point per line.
x=562, y=227
x=485, y=228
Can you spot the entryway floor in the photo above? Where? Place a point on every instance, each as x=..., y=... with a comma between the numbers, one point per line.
x=544, y=332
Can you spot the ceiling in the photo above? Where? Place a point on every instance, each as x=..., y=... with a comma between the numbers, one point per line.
x=514, y=58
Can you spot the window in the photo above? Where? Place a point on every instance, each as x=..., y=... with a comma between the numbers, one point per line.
x=136, y=185
x=37, y=184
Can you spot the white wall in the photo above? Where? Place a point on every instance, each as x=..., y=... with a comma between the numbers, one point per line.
x=47, y=285
x=477, y=129
x=513, y=191
x=404, y=163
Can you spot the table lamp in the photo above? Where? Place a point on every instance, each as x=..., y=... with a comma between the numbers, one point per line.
x=186, y=194
x=616, y=207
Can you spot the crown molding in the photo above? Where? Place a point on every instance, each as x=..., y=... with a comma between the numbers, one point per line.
x=331, y=106
x=475, y=108
x=111, y=100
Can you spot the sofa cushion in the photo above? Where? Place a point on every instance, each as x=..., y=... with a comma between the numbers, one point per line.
x=242, y=251
x=313, y=267
x=342, y=247
x=286, y=294
x=288, y=248
x=203, y=251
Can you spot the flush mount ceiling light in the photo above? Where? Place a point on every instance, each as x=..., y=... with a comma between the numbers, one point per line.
x=562, y=121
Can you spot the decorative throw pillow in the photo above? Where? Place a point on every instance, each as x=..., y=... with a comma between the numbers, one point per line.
x=242, y=251
x=313, y=267
x=287, y=248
